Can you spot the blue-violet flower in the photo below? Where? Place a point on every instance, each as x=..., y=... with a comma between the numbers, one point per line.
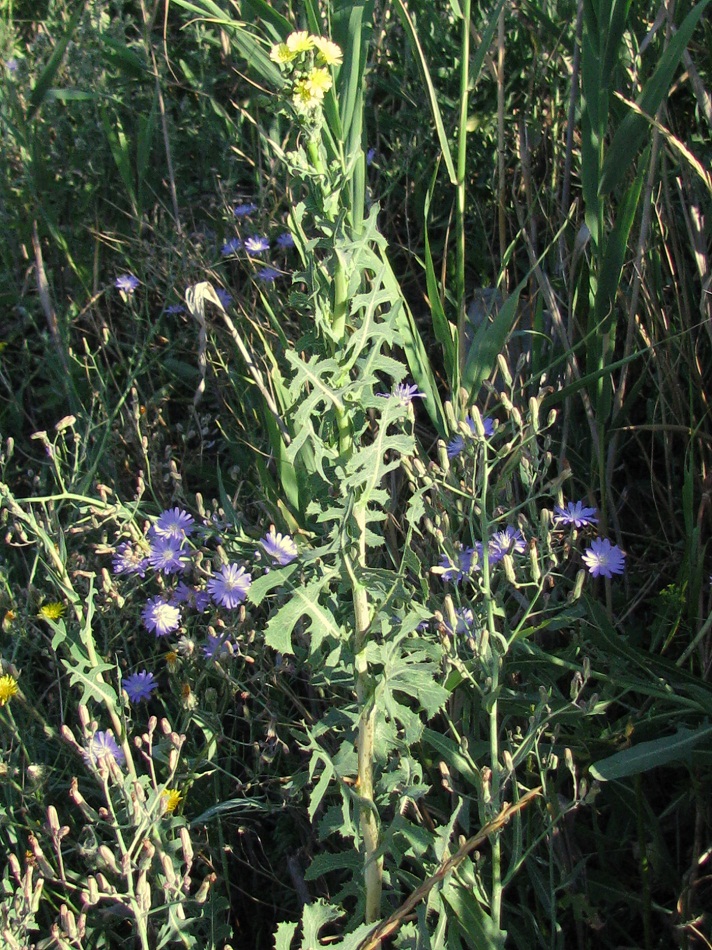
x=139, y=686
x=129, y=560
x=160, y=617
x=168, y=555
x=229, y=588
x=604, y=559
x=280, y=548
x=231, y=247
x=576, y=514
x=174, y=523
x=101, y=746
x=505, y=542
x=127, y=282
x=256, y=245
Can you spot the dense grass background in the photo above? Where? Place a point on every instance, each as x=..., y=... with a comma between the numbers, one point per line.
x=564, y=160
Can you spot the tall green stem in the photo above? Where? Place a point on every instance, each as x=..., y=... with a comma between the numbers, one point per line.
x=491, y=660
x=373, y=866
x=461, y=169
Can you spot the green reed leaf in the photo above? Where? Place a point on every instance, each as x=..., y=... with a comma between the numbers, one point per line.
x=633, y=129
x=412, y=34
x=653, y=754
x=46, y=78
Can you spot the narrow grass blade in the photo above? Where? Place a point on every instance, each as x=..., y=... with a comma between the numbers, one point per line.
x=352, y=24
x=243, y=40
x=488, y=342
x=445, y=333
x=651, y=755
x=412, y=35
x=43, y=84
x=416, y=354
x=267, y=13
x=633, y=129
x=144, y=147
x=118, y=144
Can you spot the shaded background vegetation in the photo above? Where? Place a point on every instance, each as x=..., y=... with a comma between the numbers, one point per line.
x=130, y=132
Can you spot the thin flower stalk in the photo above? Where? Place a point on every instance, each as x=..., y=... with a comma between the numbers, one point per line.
x=461, y=184
x=491, y=656
x=373, y=866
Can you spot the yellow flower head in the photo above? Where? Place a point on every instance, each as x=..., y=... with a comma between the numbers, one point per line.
x=52, y=611
x=319, y=82
x=300, y=42
x=172, y=661
x=304, y=98
x=328, y=53
x=190, y=700
x=281, y=54
x=172, y=799
x=8, y=688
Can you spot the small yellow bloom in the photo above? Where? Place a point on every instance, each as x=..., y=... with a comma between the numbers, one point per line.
x=8, y=688
x=300, y=42
x=304, y=98
x=52, y=611
x=190, y=700
x=328, y=53
x=281, y=54
x=172, y=661
x=8, y=620
x=319, y=82
x=172, y=798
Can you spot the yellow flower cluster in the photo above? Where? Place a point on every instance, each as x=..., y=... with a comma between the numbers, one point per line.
x=305, y=59
x=8, y=688
x=172, y=799
x=52, y=611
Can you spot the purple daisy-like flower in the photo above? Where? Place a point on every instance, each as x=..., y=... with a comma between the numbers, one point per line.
x=575, y=514
x=160, y=617
x=202, y=600
x=229, y=588
x=127, y=282
x=215, y=647
x=279, y=547
x=183, y=594
x=604, y=559
x=370, y=155
x=405, y=393
x=465, y=620
x=505, y=542
x=139, y=686
x=129, y=560
x=194, y=596
x=12, y=64
x=102, y=745
x=174, y=523
x=244, y=210
x=224, y=297
x=256, y=244
x=268, y=275
x=455, y=446
x=456, y=571
x=285, y=239
x=168, y=555
x=174, y=309
x=231, y=247
x=457, y=443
